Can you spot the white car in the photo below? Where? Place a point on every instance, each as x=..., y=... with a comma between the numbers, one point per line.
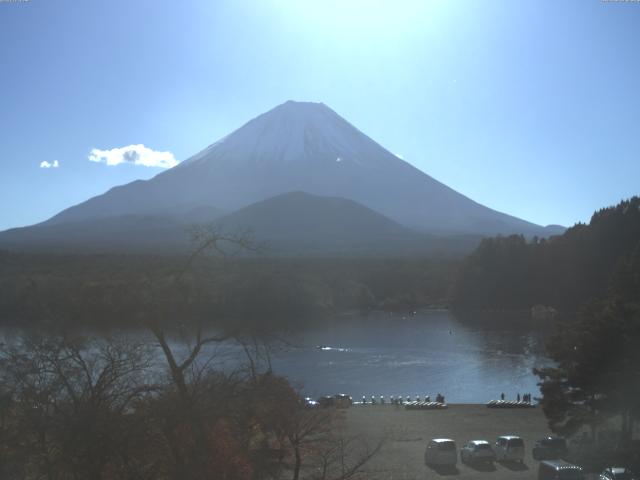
x=510, y=448
x=477, y=451
x=441, y=451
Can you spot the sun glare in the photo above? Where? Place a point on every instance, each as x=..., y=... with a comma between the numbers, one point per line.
x=360, y=19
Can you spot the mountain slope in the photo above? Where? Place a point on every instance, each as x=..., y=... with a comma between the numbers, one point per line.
x=305, y=147
x=299, y=222
x=294, y=223
x=135, y=233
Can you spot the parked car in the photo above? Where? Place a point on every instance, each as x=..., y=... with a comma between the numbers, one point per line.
x=342, y=401
x=441, y=451
x=510, y=448
x=559, y=470
x=327, y=401
x=550, y=448
x=617, y=473
x=309, y=402
x=477, y=451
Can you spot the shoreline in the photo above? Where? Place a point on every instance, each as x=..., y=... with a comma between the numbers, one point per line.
x=454, y=404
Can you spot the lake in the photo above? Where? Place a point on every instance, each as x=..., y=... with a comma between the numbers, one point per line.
x=467, y=360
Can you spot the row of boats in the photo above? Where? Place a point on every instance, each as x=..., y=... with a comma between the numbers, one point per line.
x=509, y=404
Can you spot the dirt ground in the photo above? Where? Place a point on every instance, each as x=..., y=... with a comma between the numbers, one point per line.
x=408, y=431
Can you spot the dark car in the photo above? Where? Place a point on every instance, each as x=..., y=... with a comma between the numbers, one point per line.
x=550, y=448
x=342, y=401
x=327, y=401
x=617, y=473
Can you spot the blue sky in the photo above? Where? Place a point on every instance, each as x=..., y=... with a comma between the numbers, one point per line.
x=531, y=108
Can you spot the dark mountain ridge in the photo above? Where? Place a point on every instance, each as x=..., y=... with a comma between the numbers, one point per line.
x=294, y=223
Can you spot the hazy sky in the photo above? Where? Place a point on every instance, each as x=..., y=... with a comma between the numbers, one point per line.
x=531, y=108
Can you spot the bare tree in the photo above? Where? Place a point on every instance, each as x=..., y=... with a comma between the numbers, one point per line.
x=191, y=416
x=71, y=406
x=207, y=239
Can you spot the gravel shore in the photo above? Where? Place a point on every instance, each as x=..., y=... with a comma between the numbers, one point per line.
x=408, y=431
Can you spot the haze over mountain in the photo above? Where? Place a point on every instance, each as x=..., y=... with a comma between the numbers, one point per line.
x=291, y=224
x=302, y=146
x=295, y=147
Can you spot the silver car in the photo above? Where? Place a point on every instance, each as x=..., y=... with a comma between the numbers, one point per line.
x=617, y=473
x=441, y=451
x=510, y=448
x=477, y=451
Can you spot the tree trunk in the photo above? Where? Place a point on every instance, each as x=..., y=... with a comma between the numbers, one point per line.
x=298, y=464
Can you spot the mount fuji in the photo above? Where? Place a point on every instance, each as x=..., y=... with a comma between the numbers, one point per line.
x=295, y=147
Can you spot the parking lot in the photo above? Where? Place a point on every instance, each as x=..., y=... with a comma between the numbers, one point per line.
x=408, y=431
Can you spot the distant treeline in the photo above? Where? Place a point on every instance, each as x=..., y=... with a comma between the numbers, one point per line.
x=564, y=271
x=125, y=289
x=503, y=273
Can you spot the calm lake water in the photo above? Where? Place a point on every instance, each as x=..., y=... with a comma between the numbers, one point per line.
x=423, y=353
x=418, y=354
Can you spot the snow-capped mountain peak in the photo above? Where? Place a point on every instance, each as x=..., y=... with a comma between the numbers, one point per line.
x=291, y=132
x=305, y=147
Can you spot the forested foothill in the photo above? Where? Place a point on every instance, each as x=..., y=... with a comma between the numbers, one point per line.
x=564, y=271
x=593, y=389
x=116, y=290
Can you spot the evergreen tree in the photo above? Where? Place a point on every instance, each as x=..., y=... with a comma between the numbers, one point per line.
x=597, y=372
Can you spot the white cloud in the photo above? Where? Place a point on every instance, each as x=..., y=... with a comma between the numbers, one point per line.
x=399, y=156
x=135, y=155
x=45, y=164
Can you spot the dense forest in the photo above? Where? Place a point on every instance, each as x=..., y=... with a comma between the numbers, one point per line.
x=503, y=273
x=591, y=273
x=594, y=384
x=564, y=271
x=116, y=290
